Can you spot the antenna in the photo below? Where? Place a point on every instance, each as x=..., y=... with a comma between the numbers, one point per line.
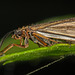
x=5, y=36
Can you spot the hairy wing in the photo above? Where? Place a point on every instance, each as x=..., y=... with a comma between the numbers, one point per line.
x=56, y=36
x=67, y=29
x=64, y=29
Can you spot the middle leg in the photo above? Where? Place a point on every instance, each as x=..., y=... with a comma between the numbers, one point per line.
x=43, y=40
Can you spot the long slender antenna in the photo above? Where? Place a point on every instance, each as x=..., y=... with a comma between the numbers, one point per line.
x=4, y=37
x=45, y=66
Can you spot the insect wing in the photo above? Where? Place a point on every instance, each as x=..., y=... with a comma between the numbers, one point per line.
x=64, y=29
x=67, y=28
x=56, y=36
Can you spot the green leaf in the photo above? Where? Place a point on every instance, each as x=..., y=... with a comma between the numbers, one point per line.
x=39, y=53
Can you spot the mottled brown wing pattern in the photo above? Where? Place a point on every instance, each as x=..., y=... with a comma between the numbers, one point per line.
x=45, y=25
x=63, y=29
x=67, y=28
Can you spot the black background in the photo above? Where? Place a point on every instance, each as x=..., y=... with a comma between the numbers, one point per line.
x=16, y=14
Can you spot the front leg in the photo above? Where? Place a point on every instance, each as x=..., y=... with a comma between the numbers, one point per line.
x=12, y=45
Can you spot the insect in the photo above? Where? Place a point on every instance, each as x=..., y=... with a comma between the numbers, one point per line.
x=45, y=34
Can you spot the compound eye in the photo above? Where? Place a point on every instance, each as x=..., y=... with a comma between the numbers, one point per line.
x=19, y=33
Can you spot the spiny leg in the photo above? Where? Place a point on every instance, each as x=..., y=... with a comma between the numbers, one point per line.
x=44, y=37
x=42, y=41
x=12, y=45
x=5, y=49
x=53, y=41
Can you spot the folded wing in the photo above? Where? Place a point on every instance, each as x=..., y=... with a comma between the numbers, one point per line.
x=64, y=29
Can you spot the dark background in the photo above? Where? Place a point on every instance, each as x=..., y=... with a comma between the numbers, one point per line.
x=16, y=14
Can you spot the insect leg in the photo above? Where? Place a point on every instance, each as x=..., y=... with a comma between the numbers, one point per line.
x=5, y=49
x=35, y=40
x=44, y=39
x=45, y=66
x=21, y=41
x=69, y=44
x=40, y=41
x=11, y=45
x=26, y=44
